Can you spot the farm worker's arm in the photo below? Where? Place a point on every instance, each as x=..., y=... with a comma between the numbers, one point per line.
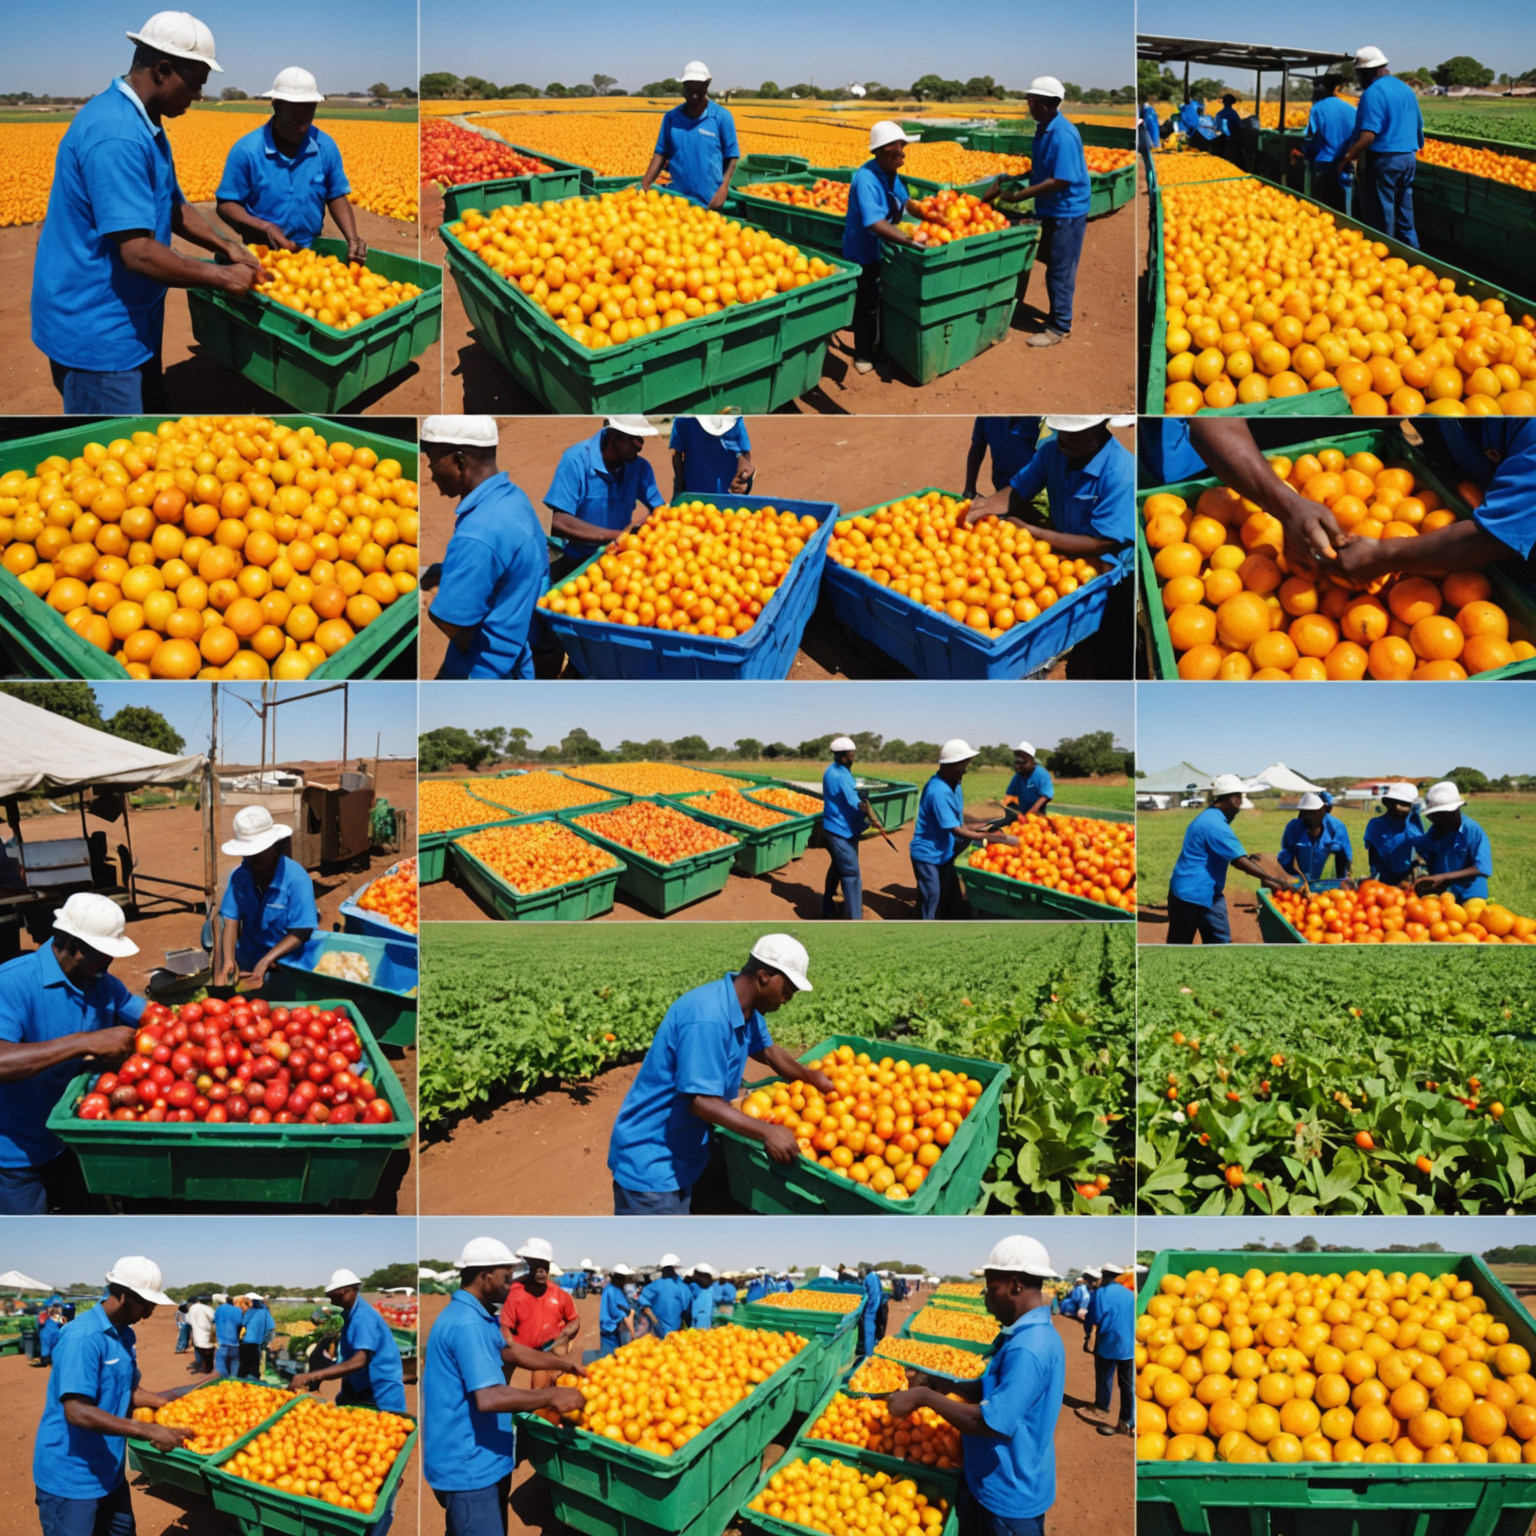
x=521, y=1400
x=295, y=938
x=573, y=1323
x=1459, y=546
x=1358, y=145
x=227, y=972
x=303, y=918
x=21, y=1058
x=730, y=156
x=744, y=468
x=653, y=170
x=965, y=1416
x=355, y=1362
x=1077, y=545
x=717, y=202
x=679, y=483
x=469, y=573
x=346, y=222
x=77, y=1391
x=1028, y=483
x=534, y=1360
x=974, y=458
x=1429, y=884
x=868, y=204
x=236, y=188
x=1249, y=865
x=566, y=525
x=649, y=493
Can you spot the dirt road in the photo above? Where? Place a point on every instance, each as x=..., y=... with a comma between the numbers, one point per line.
x=1242, y=913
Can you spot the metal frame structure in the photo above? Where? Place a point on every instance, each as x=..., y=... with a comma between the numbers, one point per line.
x=1261, y=58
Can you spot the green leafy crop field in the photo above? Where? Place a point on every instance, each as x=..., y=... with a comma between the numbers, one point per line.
x=1508, y=122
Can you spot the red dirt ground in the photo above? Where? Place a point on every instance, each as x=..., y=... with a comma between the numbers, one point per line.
x=1242, y=912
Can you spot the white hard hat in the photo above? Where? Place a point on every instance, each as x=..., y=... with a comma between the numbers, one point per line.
x=341, y=1279
x=485, y=1253
x=254, y=831
x=1113, y=1269
x=1022, y=1256
x=785, y=954
x=181, y=35
x=1408, y=792
x=1310, y=802
x=631, y=426
x=718, y=426
x=1443, y=796
x=142, y=1277
x=621, y=1269
x=555, y=1271
x=537, y=1248
x=1370, y=58
x=708, y=1269
x=587, y=1264
x=294, y=84
x=887, y=132
x=96, y=921
x=254, y=1296
x=843, y=744
x=696, y=70
x=1098, y=1274
x=1026, y=746
x=956, y=750
x=670, y=1261
x=1045, y=85
x=460, y=431
x=1226, y=784
x=1082, y=423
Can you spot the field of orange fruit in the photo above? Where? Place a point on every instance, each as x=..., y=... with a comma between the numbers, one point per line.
x=530, y=792
x=1361, y=1367
x=1489, y=163
x=444, y=806
x=734, y=806
x=814, y=1494
x=988, y=577
x=657, y=831
x=654, y=778
x=214, y=546
x=841, y=1302
x=942, y=1358
x=865, y=1423
x=951, y=1323
x=217, y=1414
x=27, y=153
x=538, y=856
x=1074, y=854
x=1236, y=612
x=1266, y=297
x=394, y=895
x=694, y=567
x=877, y=1373
x=328, y=290
x=1377, y=913
x=790, y=800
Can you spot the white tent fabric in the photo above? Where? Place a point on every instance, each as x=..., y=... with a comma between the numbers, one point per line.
x=1278, y=776
x=14, y=1280
x=1173, y=780
x=46, y=751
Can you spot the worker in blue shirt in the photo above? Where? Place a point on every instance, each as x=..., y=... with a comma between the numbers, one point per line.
x=1196, y=892
x=258, y=1326
x=368, y=1362
x=1164, y=453
x=724, y=1299
x=1012, y=442
x=691, y=1074
x=1330, y=127
x=597, y=484
x=1151, y=132
x=615, y=1313
x=697, y=143
x=60, y=1011
x=1112, y=1322
x=877, y=200
x=467, y=1447
x=269, y=903
x=1311, y=838
x=228, y=1320
x=701, y=1296
x=1075, y=1303
x=497, y=564
x=1389, y=837
x=48, y=1330
x=666, y=1302
x=104, y=257
x=844, y=819
x=711, y=456
x=869, y=1317
x=1030, y=790
x=758, y=1288
x=1007, y=1419
x=1389, y=133
x=1229, y=120
x=941, y=830
x=1455, y=850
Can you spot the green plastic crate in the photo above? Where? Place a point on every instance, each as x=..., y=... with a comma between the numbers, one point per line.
x=930, y=1483
x=664, y=888
x=1195, y=1498
x=894, y=802
x=811, y=1323
x=572, y=903
x=432, y=847
x=763, y=849
x=1003, y=896
x=807, y=1444
x=44, y=646
x=181, y=1468
x=929, y=338
x=563, y=179
x=313, y=367
x=240, y=1164
x=595, y=1517
x=962, y=266
x=389, y=1015
x=928, y=1335
x=1388, y=444
x=1275, y=928
x=829, y=1349
x=806, y=226
x=754, y=167
x=952, y=1187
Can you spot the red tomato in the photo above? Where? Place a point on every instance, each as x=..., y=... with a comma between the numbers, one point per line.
x=180, y=1095
x=216, y=1115
x=260, y=1116
x=379, y=1112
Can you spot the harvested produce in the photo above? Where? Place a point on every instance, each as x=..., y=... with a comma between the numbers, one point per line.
x=653, y=778
x=731, y=805
x=1377, y=913
x=657, y=831
x=1361, y=1367
x=346, y=965
x=960, y=1288
x=959, y=1363
x=790, y=800
x=537, y=857
x=1074, y=854
x=27, y=154
x=218, y=1414
x=866, y=1424
x=242, y=1063
x=824, y=195
x=1477, y=161
x=215, y=546
x=812, y=1301
x=664, y=574
x=950, y=215
x=973, y=1328
x=330, y=291
x=816, y=1493
x=527, y=793
x=453, y=156
x=988, y=577
x=393, y=896
x=446, y=806
x=877, y=1373
x=1176, y=167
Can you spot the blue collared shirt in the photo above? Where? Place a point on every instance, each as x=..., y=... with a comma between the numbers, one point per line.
x=1021, y=1392
x=1390, y=110
x=113, y=173
x=494, y=573
x=701, y=1047
x=586, y=488
x=1301, y=855
x=1011, y=440
x=1166, y=453
x=613, y=1309
x=940, y=811
x=757, y=1290
x=1097, y=499
x=382, y=1380
x=267, y=917
x=1027, y=789
x=259, y=1326
x=1113, y=1312
x=38, y=1002
x=1465, y=848
x=697, y=148
x=1150, y=126
x=1075, y=1301
x=873, y=195
x=874, y=1295
x=1330, y=127
x=1498, y=455
x=463, y=1449
x=1389, y=844
x=48, y=1332
x=1229, y=120
x=701, y=1305
x=290, y=193
x=1200, y=872
x=725, y=1294
x=843, y=816
x=228, y=1320
x=670, y=1298
x=709, y=462
x=96, y=1361
x=1058, y=153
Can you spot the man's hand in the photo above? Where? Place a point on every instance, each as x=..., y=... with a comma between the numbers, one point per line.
x=566, y=1400
x=302, y=1382
x=903, y=1404
x=576, y=1368
x=254, y=980
x=275, y=237
x=1363, y=559
x=822, y=1083
x=166, y=1437
x=240, y=276
x=781, y=1144
x=1312, y=536
x=1272, y=884
x=1429, y=885
x=116, y=1041
x=357, y=249
x=994, y=505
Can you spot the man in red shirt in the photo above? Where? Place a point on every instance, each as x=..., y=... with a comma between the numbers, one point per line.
x=537, y=1314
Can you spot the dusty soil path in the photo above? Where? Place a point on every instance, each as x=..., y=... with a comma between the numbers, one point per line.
x=1242, y=913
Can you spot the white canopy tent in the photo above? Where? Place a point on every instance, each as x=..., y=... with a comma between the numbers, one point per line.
x=14, y=1280
x=46, y=751
x=1174, y=780
x=1278, y=776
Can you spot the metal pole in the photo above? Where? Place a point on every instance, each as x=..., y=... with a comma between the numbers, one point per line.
x=276, y=759
x=1186, y=81
x=1284, y=75
x=346, y=708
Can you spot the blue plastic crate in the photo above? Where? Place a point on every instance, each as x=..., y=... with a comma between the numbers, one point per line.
x=355, y=920
x=387, y=1001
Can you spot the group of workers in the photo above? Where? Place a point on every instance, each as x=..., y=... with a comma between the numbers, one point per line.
x=227, y=1335
x=105, y=258
x=1102, y=1300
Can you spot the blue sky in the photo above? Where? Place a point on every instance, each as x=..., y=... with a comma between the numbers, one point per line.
x=1366, y=1234
x=1376, y=728
x=723, y=713
x=1089, y=43
x=252, y=42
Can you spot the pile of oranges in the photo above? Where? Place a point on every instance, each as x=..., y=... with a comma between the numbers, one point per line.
x=530, y=792
x=1175, y=167
x=884, y=1125
x=866, y=1424
x=971, y=1327
x=340, y=1456
x=694, y=567
x=832, y=1497
x=958, y=1289
x=328, y=290
x=614, y=268
x=939, y=1358
x=393, y=896
x=734, y=806
x=218, y=1414
x=538, y=856
x=823, y=195
x=950, y=215
x=1267, y=297
x=214, y=546
x=658, y=1394
x=790, y=800
x=444, y=806
x=1073, y=854
x=1481, y=162
x=1358, y=1367
x=653, y=778
x=877, y=1374
x=841, y=1302
x=1234, y=611
x=656, y=831
x=1377, y=913
x=988, y=577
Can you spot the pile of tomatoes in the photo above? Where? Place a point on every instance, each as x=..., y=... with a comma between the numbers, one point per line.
x=1074, y=854
x=656, y=831
x=1377, y=913
x=240, y=1062
x=454, y=157
x=823, y=195
x=950, y=215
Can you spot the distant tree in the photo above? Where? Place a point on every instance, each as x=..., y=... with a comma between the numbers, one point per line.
x=147, y=727
x=1462, y=70
x=233, y=93
x=379, y=89
x=686, y=747
x=1520, y=1253
x=600, y=83
x=1095, y=96
x=74, y=701
x=495, y=739
x=580, y=747
x=1206, y=88
x=518, y=92
x=1308, y=1244
x=439, y=85
x=446, y=746
x=768, y=90
x=556, y=89
x=868, y=743
x=1080, y=757
x=1420, y=77
x=654, y=751
x=518, y=738
x=775, y=750
x=667, y=87
x=477, y=89
x=882, y=93
x=1468, y=780
x=979, y=85
x=1074, y=92
x=582, y=90
x=749, y=749
x=390, y=1276
x=925, y=752
x=893, y=751
x=1156, y=82
x=1129, y=769
x=928, y=85
x=817, y=747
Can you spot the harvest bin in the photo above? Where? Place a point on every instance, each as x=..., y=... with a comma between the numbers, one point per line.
x=807, y=1445
x=182, y=1468
x=834, y=1342
x=314, y=367
x=44, y=646
x=1389, y=445
x=1003, y=896
x=1360, y=1499
x=563, y=179
x=432, y=847
x=931, y=1483
x=354, y=919
x=763, y=849
x=569, y=903
x=816, y=227
x=240, y=1165
x=767, y=650
x=910, y=1330
x=387, y=1003
x=953, y=1184
x=933, y=645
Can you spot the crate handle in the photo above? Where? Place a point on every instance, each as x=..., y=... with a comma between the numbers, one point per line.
x=1489, y=1507
x=1187, y=1508
x=1326, y=1490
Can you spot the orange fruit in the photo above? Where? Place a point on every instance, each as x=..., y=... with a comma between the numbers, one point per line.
x=1273, y=650
x=1364, y=620
x=1440, y=672
x=1480, y=617
x=175, y=659
x=1414, y=598
x=1464, y=587
x=1314, y=635
x=1242, y=619
x=1179, y=559
x=1346, y=662
x=1189, y=626
x=1437, y=639
x=1487, y=653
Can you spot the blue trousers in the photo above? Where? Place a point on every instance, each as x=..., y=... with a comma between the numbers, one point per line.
x=1329, y=187
x=226, y=1360
x=644, y=1202
x=936, y=888
x=1185, y=920
x=1385, y=199
x=1104, y=1374
x=183, y=1337
x=478, y=1511
x=977, y=1520
x=111, y=1516
x=22, y=1192
x=1061, y=249
x=131, y=392
x=844, y=868
x=607, y=1343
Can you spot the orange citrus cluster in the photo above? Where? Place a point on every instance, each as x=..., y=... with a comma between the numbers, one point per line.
x=878, y=1374
x=951, y=215
x=1377, y=913
x=27, y=153
x=529, y=792
x=538, y=856
x=1075, y=854
x=790, y=800
x=445, y=806
x=866, y=1424
x=1176, y=167
x=732, y=805
x=1481, y=162
x=827, y=196
x=841, y=1302
x=340, y=1456
x=657, y=831
x=653, y=778
x=884, y=1125
x=957, y=1288
x=832, y=1497
x=1360, y=1367
x=941, y=1358
x=988, y=577
x=693, y=567
x=971, y=1327
x=218, y=1414
x=658, y=1394
x=214, y=546
x=332, y=292
x=394, y=896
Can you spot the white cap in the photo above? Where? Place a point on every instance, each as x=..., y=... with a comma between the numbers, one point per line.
x=1443, y=796
x=254, y=831
x=1098, y=1274
x=1026, y=746
x=843, y=744
x=1045, y=85
x=956, y=750
x=1022, y=1256
x=785, y=954
x=1082, y=423
x=1407, y=792
x=254, y=1296
x=1226, y=784
x=341, y=1279
x=460, y=431
x=485, y=1253
x=180, y=35
x=587, y=1264
x=631, y=426
x=621, y=1269
x=718, y=426
x=670, y=1261
x=96, y=921
x=537, y=1248
x=696, y=70
x=555, y=1271
x=1310, y=802
x=1370, y=58
x=142, y=1277
x=708, y=1269
x=294, y=84
x=887, y=132
x=1113, y=1269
